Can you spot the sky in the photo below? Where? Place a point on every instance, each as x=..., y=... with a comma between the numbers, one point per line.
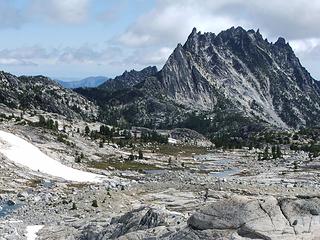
x=73, y=39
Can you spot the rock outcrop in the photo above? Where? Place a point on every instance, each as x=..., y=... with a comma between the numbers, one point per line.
x=267, y=218
x=260, y=79
x=237, y=218
x=132, y=225
x=42, y=93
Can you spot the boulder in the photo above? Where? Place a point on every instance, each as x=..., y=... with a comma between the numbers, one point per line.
x=22, y=196
x=10, y=202
x=134, y=224
x=267, y=218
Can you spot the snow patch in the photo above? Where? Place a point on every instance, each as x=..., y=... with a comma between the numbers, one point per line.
x=172, y=141
x=24, y=153
x=32, y=231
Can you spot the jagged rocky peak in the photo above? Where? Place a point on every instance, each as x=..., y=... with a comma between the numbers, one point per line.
x=129, y=78
x=238, y=33
x=133, y=73
x=281, y=42
x=233, y=36
x=239, y=38
x=196, y=39
x=263, y=80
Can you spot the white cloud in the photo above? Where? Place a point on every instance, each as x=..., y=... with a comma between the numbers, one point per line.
x=15, y=62
x=26, y=52
x=171, y=21
x=149, y=40
x=157, y=57
x=89, y=54
x=86, y=54
x=306, y=46
x=143, y=57
x=66, y=11
x=62, y=11
x=308, y=51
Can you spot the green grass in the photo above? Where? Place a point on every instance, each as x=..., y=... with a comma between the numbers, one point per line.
x=181, y=150
x=122, y=166
x=77, y=185
x=33, y=183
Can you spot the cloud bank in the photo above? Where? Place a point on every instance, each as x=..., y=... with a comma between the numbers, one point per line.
x=150, y=38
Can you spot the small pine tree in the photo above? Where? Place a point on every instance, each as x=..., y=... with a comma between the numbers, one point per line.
x=279, y=153
x=273, y=150
x=266, y=153
x=42, y=121
x=87, y=130
x=95, y=203
x=78, y=159
x=56, y=125
x=295, y=165
x=131, y=157
x=259, y=157
x=74, y=206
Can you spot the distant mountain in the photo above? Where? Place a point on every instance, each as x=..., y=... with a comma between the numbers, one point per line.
x=88, y=82
x=232, y=81
x=42, y=93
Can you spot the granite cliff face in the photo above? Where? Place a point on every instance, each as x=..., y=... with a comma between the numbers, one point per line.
x=42, y=93
x=260, y=79
x=235, y=74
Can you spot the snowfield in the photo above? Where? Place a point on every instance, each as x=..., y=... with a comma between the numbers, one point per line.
x=24, y=153
x=32, y=231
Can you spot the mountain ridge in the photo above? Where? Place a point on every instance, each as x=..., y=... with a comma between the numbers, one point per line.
x=129, y=78
x=86, y=82
x=234, y=71
x=213, y=83
x=43, y=93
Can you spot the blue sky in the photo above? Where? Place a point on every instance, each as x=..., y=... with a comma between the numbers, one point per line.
x=80, y=38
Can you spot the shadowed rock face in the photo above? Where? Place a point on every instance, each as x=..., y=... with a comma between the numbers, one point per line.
x=132, y=225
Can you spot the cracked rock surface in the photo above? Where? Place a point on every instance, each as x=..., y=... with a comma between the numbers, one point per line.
x=252, y=218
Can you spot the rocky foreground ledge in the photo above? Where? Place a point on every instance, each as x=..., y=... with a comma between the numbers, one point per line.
x=235, y=218
x=268, y=218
